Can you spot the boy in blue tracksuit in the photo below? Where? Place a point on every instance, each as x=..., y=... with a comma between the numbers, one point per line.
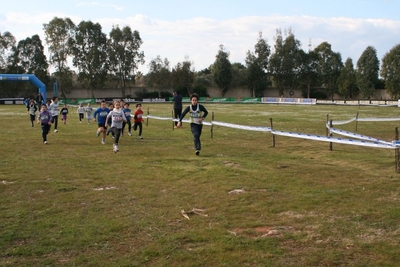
x=101, y=115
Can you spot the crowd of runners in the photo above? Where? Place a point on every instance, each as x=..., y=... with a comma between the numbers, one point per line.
x=113, y=118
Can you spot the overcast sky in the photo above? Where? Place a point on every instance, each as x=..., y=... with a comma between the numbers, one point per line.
x=177, y=29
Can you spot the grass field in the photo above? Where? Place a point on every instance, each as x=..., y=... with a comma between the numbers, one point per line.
x=74, y=202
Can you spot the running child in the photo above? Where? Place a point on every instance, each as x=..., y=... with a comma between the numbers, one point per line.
x=127, y=111
x=88, y=111
x=117, y=118
x=64, y=113
x=32, y=111
x=197, y=114
x=81, y=111
x=48, y=103
x=138, y=119
x=101, y=114
x=54, y=108
x=110, y=107
x=44, y=119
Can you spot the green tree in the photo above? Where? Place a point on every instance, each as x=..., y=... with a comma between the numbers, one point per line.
x=284, y=63
x=13, y=64
x=89, y=48
x=58, y=33
x=222, y=71
x=202, y=80
x=159, y=75
x=329, y=67
x=183, y=75
x=124, y=55
x=257, y=66
x=9, y=64
x=238, y=75
x=390, y=71
x=67, y=80
x=367, y=73
x=31, y=58
x=308, y=74
x=7, y=48
x=347, y=80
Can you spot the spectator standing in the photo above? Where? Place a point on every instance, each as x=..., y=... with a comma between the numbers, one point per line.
x=177, y=106
x=39, y=101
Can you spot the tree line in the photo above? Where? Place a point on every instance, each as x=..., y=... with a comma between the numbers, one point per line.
x=112, y=61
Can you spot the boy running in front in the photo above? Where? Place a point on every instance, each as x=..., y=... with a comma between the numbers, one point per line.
x=197, y=114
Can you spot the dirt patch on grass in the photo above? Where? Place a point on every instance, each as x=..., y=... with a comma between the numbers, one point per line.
x=261, y=231
x=231, y=164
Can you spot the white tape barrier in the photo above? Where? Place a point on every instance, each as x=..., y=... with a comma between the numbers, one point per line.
x=378, y=119
x=393, y=144
x=343, y=122
x=336, y=140
x=367, y=142
x=357, y=136
x=242, y=127
x=364, y=119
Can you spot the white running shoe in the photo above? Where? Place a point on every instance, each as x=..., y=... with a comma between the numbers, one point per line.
x=140, y=137
x=98, y=133
x=45, y=142
x=115, y=148
x=56, y=131
x=129, y=133
x=103, y=142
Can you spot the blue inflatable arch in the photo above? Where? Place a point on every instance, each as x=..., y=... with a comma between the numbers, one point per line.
x=25, y=78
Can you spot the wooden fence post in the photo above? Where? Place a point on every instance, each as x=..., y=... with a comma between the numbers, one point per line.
x=396, y=151
x=326, y=128
x=273, y=135
x=173, y=122
x=212, y=125
x=147, y=117
x=356, y=121
x=330, y=144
